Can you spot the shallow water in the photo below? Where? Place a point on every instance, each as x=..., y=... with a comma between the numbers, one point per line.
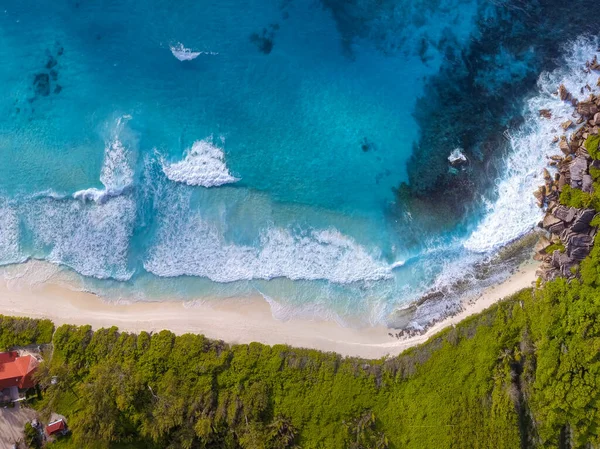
x=218, y=150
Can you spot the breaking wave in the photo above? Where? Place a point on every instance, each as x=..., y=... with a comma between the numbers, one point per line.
x=92, y=239
x=117, y=169
x=187, y=244
x=91, y=232
x=10, y=251
x=515, y=211
x=203, y=165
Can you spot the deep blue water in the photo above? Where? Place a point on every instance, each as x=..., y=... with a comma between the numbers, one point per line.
x=268, y=163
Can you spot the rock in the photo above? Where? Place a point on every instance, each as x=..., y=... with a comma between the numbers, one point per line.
x=594, y=64
x=564, y=146
x=596, y=120
x=575, y=239
x=541, y=245
x=566, y=125
x=587, y=108
x=582, y=219
x=562, y=180
x=548, y=275
x=581, y=151
x=553, y=224
x=546, y=113
x=579, y=253
x=577, y=169
x=587, y=183
x=457, y=157
x=547, y=174
x=540, y=193
x=564, y=213
x=563, y=93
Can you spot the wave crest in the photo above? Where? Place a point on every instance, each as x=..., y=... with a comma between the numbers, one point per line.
x=189, y=245
x=203, y=165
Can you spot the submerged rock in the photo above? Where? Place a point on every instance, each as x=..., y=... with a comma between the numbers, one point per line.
x=263, y=41
x=457, y=157
x=41, y=84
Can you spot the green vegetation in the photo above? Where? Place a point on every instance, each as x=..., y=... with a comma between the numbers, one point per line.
x=32, y=437
x=523, y=374
x=580, y=199
x=556, y=246
x=591, y=145
x=24, y=332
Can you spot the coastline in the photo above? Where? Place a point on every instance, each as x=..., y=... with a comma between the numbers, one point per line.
x=232, y=320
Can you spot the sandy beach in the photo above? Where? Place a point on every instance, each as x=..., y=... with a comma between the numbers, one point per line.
x=234, y=321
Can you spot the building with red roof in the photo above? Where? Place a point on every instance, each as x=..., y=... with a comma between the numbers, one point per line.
x=57, y=427
x=16, y=371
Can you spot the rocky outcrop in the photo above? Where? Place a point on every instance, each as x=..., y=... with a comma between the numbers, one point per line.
x=570, y=236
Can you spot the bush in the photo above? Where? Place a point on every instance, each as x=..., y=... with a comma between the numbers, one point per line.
x=591, y=145
x=15, y=332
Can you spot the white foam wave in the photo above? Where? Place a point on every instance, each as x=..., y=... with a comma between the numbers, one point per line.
x=203, y=165
x=117, y=172
x=515, y=212
x=398, y=264
x=10, y=251
x=91, y=232
x=186, y=54
x=93, y=239
x=186, y=244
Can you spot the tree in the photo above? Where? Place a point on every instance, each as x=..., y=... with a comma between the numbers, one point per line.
x=33, y=438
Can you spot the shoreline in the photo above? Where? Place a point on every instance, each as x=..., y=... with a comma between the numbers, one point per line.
x=232, y=320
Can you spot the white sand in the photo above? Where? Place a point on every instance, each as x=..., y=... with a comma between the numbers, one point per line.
x=234, y=321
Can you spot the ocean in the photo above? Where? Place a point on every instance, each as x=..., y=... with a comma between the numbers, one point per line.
x=290, y=149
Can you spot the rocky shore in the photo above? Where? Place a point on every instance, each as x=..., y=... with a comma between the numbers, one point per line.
x=569, y=194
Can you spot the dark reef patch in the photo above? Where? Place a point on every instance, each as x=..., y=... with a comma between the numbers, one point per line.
x=366, y=145
x=51, y=62
x=264, y=40
x=475, y=97
x=44, y=81
x=41, y=84
x=479, y=93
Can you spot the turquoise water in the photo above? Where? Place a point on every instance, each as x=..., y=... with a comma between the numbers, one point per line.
x=201, y=149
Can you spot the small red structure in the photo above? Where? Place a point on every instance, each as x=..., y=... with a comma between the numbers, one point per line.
x=56, y=427
x=16, y=371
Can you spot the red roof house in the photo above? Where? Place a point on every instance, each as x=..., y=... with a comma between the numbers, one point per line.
x=55, y=427
x=16, y=371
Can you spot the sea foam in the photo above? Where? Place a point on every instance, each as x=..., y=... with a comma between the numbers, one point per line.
x=9, y=234
x=91, y=232
x=186, y=54
x=203, y=165
x=515, y=211
x=93, y=239
x=187, y=244
x=117, y=168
